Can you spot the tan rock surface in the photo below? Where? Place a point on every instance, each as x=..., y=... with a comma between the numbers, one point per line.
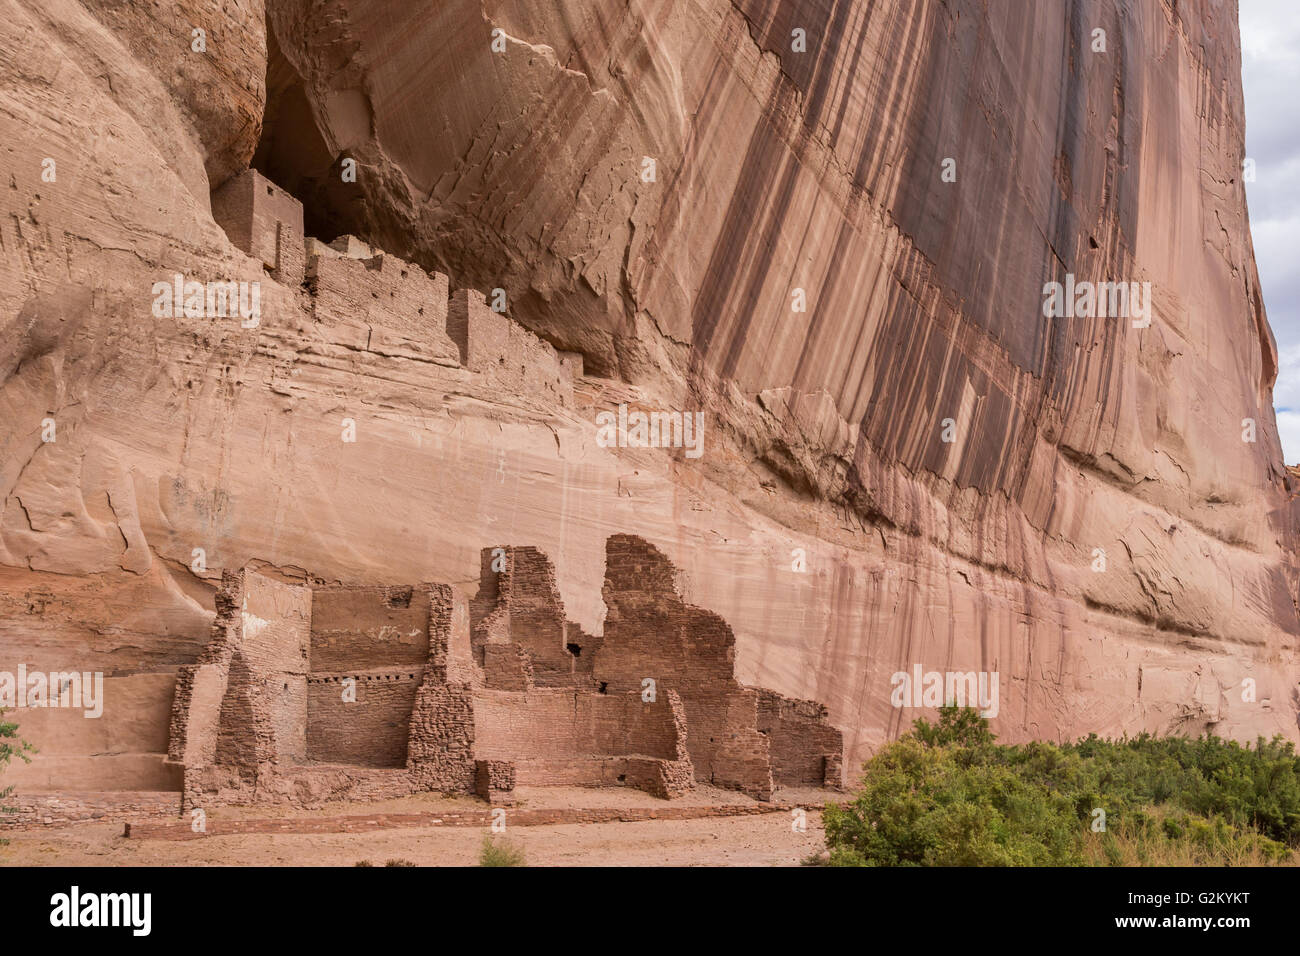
x=774, y=171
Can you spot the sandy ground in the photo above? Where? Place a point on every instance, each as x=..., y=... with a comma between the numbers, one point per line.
x=767, y=839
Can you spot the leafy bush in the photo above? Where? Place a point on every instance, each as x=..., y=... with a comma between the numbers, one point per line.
x=10, y=746
x=500, y=853
x=947, y=794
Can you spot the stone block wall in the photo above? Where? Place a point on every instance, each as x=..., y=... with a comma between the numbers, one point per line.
x=519, y=626
x=264, y=221
x=383, y=305
x=650, y=632
x=367, y=300
x=369, y=648
x=257, y=718
x=727, y=731
x=506, y=666
x=805, y=749
x=276, y=622
x=740, y=756
x=534, y=727
x=358, y=628
x=370, y=731
x=461, y=696
x=494, y=780
x=440, y=752
x=572, y=737
x=492, y=344
x=238, y=704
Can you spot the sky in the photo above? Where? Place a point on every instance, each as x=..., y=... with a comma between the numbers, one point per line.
x=1270, y=73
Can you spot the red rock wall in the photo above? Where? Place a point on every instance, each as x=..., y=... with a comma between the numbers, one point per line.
x=775, y=171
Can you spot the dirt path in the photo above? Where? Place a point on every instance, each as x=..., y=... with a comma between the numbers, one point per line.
x=767, y=839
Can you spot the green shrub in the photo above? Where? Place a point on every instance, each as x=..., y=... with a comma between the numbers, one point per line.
x=11, y=745
x=500, y=853
x=947, y=794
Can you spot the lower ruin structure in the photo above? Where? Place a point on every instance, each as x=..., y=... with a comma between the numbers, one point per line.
x=305, y=694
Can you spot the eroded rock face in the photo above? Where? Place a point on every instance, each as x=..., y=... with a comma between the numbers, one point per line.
x=1097, y=532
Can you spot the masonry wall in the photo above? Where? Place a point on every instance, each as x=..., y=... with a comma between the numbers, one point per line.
x=383, y=304
x=264, y=221
x=651, y=633
x=250, y=718
x=195, y=727
x=492, y=344
x=246, y=735
x=544, y=724
x=440, y=752
x=558, y=737
x=740, y=756
x=805, y=749
x=370, y=732
x=276, y=624
x=626, y=724
x=377, y=637
x=452, y=694
x=520, y=630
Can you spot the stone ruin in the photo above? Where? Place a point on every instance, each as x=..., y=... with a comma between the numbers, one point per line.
x=365, y=299
x=305, y=694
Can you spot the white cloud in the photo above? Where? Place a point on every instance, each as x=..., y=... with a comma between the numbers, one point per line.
x=1270, y=74
x=1286, y=393
x=1288, y=429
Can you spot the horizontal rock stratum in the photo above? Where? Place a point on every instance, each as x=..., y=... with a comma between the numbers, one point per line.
x=821, y=234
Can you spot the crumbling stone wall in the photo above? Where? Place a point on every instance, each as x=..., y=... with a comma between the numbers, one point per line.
x=654, y=644
x=441, y=749
x=367, y=300
x=520, y=632
x=805, y=749
x=474, y=696
x=652, y=634
x=494, y=780
x=241, y=709
x=494, y=345
x=382, y=304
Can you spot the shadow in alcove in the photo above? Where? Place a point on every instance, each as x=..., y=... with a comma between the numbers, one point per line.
x=294, y=155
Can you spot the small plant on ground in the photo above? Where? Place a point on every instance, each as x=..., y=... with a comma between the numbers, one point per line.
x=500, y=853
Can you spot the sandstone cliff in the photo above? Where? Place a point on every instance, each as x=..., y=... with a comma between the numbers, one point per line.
x=657, y=186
